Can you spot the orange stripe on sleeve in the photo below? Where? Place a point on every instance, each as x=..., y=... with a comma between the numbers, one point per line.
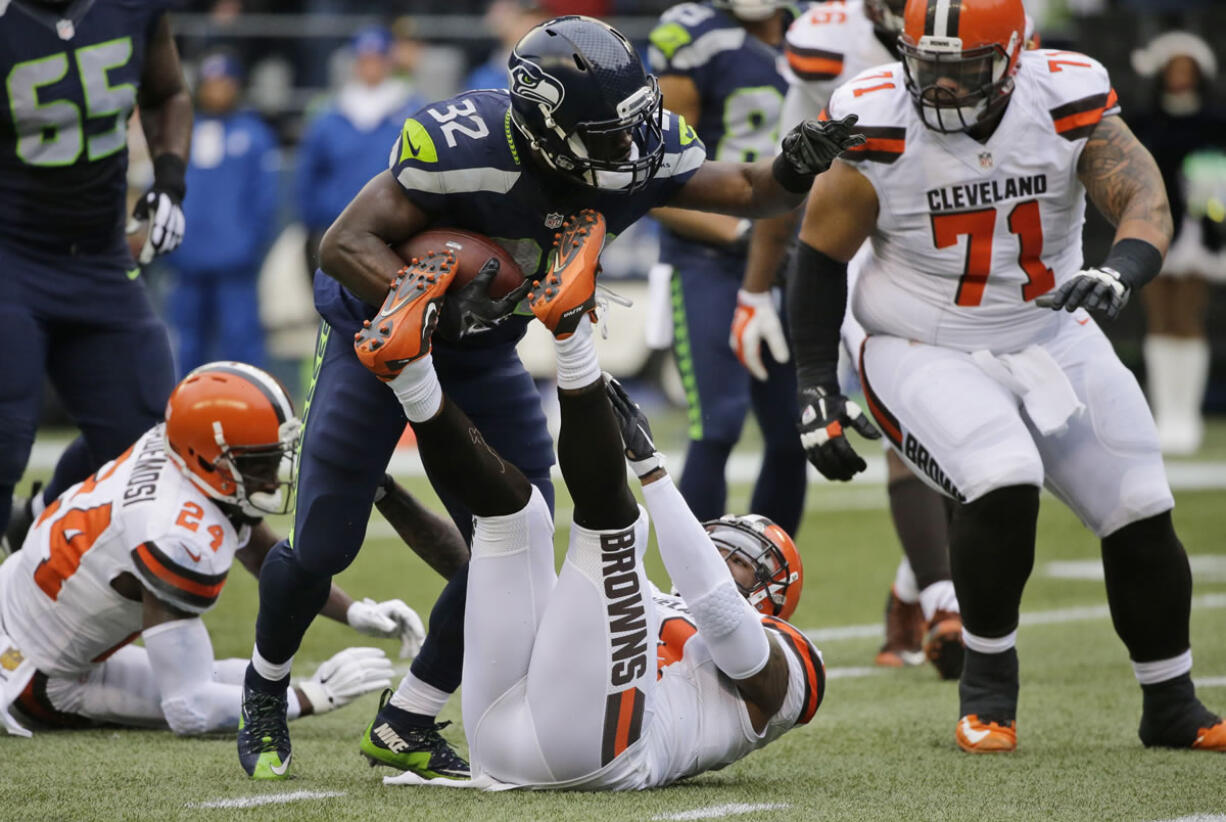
x=166, y=573
x=814, y=68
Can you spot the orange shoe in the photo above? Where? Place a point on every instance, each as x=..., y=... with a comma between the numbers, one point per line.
x=986, y=737
x=943, y=644
x=400, y=332
x=1211, y=739
x=904, y=633
x=567, y=292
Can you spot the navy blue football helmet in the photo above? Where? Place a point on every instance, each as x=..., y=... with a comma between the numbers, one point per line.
x=580, y=97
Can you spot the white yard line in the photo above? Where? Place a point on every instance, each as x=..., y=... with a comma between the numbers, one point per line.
x=719, y=811
x=1205, y=568
x=1198, y=817
x=266, y=799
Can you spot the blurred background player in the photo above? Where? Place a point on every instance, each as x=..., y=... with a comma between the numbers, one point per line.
x=213, y=305
x=826, y=46
x=582, y=126
x=1187, y=136
x=346, y=142
x=142, y=549
x=565, y=683
x=72, y=306
x=718, y=64
x=960, y=342
x=507, y=21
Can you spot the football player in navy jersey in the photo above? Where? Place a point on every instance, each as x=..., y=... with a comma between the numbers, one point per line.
x=719, y=67
x=582, y=126
x=71, y=302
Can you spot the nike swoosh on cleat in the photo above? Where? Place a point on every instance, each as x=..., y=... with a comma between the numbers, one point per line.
x=401, y=303
x=974, y=736
x=284, y=766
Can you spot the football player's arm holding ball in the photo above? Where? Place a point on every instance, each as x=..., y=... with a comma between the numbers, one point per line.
x=1123, y=181
x=840, y=215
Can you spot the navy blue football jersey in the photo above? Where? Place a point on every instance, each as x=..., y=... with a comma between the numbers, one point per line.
x=740, y=83
x=68, y=90
x=463, y=163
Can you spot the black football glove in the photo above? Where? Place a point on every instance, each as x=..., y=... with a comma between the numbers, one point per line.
x=471, y=310
x=824, y=413
x=160, y=207
x=810, y=148
x=636, y=430
x=1094, y=289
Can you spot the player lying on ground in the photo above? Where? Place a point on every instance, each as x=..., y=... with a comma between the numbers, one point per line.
x=143, y=549
x=972, y=189
x=590, y=678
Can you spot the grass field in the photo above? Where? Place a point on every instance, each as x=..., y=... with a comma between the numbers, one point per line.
x=881, y=747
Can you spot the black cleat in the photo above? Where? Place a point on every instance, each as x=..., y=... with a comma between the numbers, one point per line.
x=263, y=735
x=420, y=750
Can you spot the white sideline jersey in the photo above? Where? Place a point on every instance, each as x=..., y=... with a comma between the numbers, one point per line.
x=827, y=45
x=969, y=233
x=701, y=722
x=138, y=515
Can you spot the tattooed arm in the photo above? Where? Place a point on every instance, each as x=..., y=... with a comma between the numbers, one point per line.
x=1125, y=185
x=1123, y=181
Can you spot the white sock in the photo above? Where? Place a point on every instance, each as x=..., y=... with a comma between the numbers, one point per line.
x=905, y=586
x=418, y=389
x=1148, y=673
x=418, y=697
x=578, y=366
x=939, y=596
x=272, y=671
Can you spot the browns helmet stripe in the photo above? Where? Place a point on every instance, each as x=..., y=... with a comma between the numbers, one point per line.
x=942, y=18
x=272, y=391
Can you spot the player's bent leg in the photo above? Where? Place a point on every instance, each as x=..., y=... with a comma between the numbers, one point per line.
x=591, y=682
x=21, y=382
x=120, y=691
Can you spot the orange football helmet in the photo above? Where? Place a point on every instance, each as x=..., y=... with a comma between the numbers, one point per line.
x=230, y=427
x=960, y=58
x=778, y=572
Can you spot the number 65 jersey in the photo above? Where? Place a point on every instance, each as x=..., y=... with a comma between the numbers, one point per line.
x=969, y=233
x=138, y=515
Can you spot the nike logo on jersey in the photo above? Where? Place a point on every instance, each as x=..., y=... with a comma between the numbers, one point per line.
x=195, y=557
x=413, y=149
x=973, y=736
x=72, y=533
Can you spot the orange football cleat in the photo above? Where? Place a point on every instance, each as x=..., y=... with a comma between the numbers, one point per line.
x=943, y=644
x=986, y=737
x=1211, y=739
x=567, y=292
x=904, y=633
x=400, y=332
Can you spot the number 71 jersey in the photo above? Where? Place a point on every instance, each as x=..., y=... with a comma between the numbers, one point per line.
x=969, y=233
x=140, y=516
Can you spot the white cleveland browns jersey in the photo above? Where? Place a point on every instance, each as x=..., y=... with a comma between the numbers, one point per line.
x=969, y=233
x=700, y=721
x=828, y=44
x=138, y=515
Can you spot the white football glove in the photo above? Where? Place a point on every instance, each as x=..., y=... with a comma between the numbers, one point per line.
x=755, y=320
x=346, y=676
x=166, y=224
x=386, y=620
x=15, y=672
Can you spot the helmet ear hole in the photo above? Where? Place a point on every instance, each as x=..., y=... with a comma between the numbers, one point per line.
x=205, y=466
x=582, y=66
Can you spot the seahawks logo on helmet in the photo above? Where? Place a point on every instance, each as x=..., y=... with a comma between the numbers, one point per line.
x=533, y=83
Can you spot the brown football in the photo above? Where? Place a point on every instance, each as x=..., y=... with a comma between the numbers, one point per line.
x=471, y=251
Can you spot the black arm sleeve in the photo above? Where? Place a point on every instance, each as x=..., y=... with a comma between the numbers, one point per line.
x=1137, y=261
x=816, y=302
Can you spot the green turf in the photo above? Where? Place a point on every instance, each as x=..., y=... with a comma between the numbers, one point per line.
x=881, y=747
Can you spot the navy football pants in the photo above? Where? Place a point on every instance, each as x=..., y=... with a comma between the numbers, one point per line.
x=353, y=422
x=84, y=323
x=719, y=393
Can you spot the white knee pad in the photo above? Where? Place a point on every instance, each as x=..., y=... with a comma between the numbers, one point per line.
x=183, y=716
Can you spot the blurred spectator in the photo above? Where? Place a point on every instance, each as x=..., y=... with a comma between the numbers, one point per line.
x=231, y=203
x=507, y=21
x=349, y=141
x=1186, y=137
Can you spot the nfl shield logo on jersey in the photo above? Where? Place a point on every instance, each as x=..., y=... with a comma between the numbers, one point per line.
x=985, y=159
x=553, y=220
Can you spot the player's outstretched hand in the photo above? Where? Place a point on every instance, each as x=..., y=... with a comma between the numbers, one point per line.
x=811, y=147
x=160, y=207
x=387, y=620
x=1094, y=289
x=636, y=430
x=755, y=320
x=346, y=676
x=824, y=413
x=471, y=309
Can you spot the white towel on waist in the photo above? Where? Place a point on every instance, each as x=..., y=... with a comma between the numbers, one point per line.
x=1039, y=382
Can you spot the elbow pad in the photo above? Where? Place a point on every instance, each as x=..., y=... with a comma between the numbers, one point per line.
x=732, y=630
